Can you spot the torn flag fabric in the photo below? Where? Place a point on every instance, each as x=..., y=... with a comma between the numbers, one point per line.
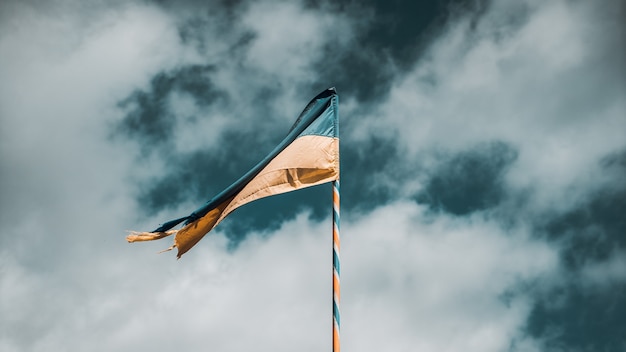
x=308, y=156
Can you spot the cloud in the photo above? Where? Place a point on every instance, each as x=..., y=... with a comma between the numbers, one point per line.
x=470, y=180
x=606, y=273
x=437, y=285
x=445, y=278
x=482, y=166
x=53, y=109
x=389, y=37
x=148, y=115
x=62, y=196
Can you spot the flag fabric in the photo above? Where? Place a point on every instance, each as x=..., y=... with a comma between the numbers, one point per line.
x=308, y=156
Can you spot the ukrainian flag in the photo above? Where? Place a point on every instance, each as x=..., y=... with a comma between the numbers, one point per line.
x=308, y=156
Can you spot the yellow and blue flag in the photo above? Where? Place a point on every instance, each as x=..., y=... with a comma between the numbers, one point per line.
x=308, y=156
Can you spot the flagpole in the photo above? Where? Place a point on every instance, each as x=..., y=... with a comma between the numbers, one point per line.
x=336, y=268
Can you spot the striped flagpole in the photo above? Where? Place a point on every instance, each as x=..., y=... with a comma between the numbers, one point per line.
x=336, y=268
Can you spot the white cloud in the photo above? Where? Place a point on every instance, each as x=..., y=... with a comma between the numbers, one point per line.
x=440, y=285
x=55, y=156
x=407, y=283
x=63, y=196
x=547, y=84
x=272, y=50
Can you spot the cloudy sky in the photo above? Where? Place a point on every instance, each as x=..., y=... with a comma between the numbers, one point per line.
x=483, y=149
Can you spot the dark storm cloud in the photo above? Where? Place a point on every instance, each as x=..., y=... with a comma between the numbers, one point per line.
x=595, y=228
x=390, y=37
x=363, y=163
x=469, y=181
x=269, y=214
x=574, y=314
x=572, y=319
x=149, y=118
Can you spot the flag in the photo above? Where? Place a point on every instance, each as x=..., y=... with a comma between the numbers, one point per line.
x=308, y=156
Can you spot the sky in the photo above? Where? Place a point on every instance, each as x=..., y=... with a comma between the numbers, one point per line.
x=483, y=158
